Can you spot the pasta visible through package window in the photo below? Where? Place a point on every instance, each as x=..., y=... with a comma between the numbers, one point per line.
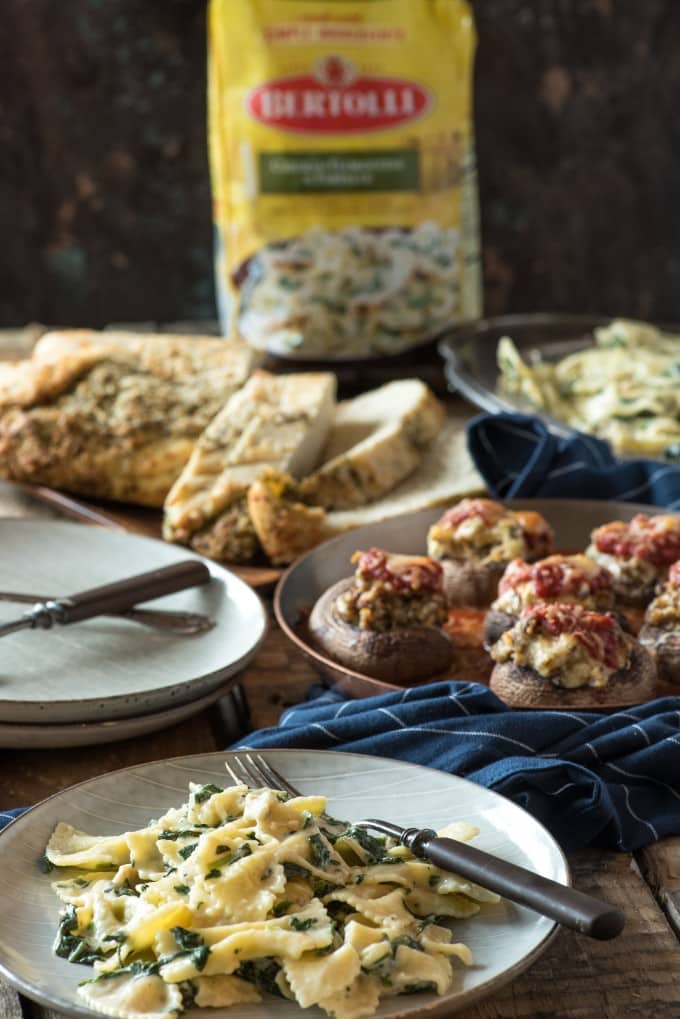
x=326, y=291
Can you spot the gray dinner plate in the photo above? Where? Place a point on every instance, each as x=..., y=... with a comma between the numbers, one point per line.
x=112, y=668
x=306, y=580
x=504, y=938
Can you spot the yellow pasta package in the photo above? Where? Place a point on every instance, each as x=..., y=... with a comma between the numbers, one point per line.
x=343, y=172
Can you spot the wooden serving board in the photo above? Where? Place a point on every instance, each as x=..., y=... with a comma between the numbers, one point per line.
x=134, y=520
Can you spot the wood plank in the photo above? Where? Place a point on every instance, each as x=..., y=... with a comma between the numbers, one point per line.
x=278, y=678
x=632, y=977
x=29, y=776
x=10, y=1002
x=660, y=865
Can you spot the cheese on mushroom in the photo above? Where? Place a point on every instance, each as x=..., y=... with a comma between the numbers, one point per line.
x=485, y=531
x=639, y=552
x=664, y=610
x=391, y=591
x=566, y=644
x=574, y=579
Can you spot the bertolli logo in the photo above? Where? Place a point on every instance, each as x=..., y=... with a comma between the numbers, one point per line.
x=337, y=98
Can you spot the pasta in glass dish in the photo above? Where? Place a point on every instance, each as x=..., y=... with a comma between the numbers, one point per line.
x=623, y=388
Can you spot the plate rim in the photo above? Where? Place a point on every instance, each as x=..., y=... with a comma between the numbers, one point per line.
x=333, y=668
x=183, y=696
x=439, y=1007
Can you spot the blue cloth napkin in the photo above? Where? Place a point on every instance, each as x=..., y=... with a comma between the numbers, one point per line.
x=8, y=815
x=610, y=781
x=518, y=456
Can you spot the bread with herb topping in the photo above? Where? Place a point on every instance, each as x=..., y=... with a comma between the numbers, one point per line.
x=376, y=441
x=113, y=415
x=275, y=422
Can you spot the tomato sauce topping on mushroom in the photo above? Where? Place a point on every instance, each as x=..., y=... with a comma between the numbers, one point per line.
x=597, y=632
x=653, y=539
x=556, y=575
x=402, y=572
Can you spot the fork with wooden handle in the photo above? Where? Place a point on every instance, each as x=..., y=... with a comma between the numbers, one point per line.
x=566, y=905
x=186, y=624
x=117, y=597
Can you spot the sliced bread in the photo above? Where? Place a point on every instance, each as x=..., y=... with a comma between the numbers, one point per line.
x=113, y=415
x=375, y=442
x=287, y=528
x=274, y=421
x=446, y=473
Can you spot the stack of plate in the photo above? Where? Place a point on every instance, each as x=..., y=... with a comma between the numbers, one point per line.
x=111, y=678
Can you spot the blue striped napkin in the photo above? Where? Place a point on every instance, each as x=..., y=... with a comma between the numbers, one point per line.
x=8, y=815
x=610, y=781
x=518, y=456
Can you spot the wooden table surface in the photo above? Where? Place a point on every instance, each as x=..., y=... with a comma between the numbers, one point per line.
x=636, y=976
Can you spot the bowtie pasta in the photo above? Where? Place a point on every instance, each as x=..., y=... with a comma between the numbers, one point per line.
x=623, y=389
x=240, y=892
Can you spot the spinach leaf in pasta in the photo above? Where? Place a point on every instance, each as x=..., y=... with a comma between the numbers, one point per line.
x=191, y=944
x=206, y=791
x=72, y=946
x=262, y=973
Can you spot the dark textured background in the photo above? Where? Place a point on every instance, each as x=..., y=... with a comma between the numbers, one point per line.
x=104, y=189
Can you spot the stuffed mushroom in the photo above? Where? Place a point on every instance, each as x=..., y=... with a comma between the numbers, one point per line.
x=476, y=539
x=385, y=620
x=572, y=579
x=660, y=632
x=567, y=656
x=637, y=554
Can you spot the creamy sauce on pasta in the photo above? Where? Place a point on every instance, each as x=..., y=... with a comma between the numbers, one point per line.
x=239, y=893
x=623, y=389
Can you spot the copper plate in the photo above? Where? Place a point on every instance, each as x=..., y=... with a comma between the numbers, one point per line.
x=307, y=579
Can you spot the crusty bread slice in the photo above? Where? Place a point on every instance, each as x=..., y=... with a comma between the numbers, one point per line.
x=376, y=440
x=61, y=356
x=446, y=473
x=274, y=421
x=286, y=527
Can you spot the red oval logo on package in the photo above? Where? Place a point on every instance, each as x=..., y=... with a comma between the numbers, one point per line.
x=336, y=99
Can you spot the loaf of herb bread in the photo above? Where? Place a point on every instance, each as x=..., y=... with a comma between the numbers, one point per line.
x=113, y=415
